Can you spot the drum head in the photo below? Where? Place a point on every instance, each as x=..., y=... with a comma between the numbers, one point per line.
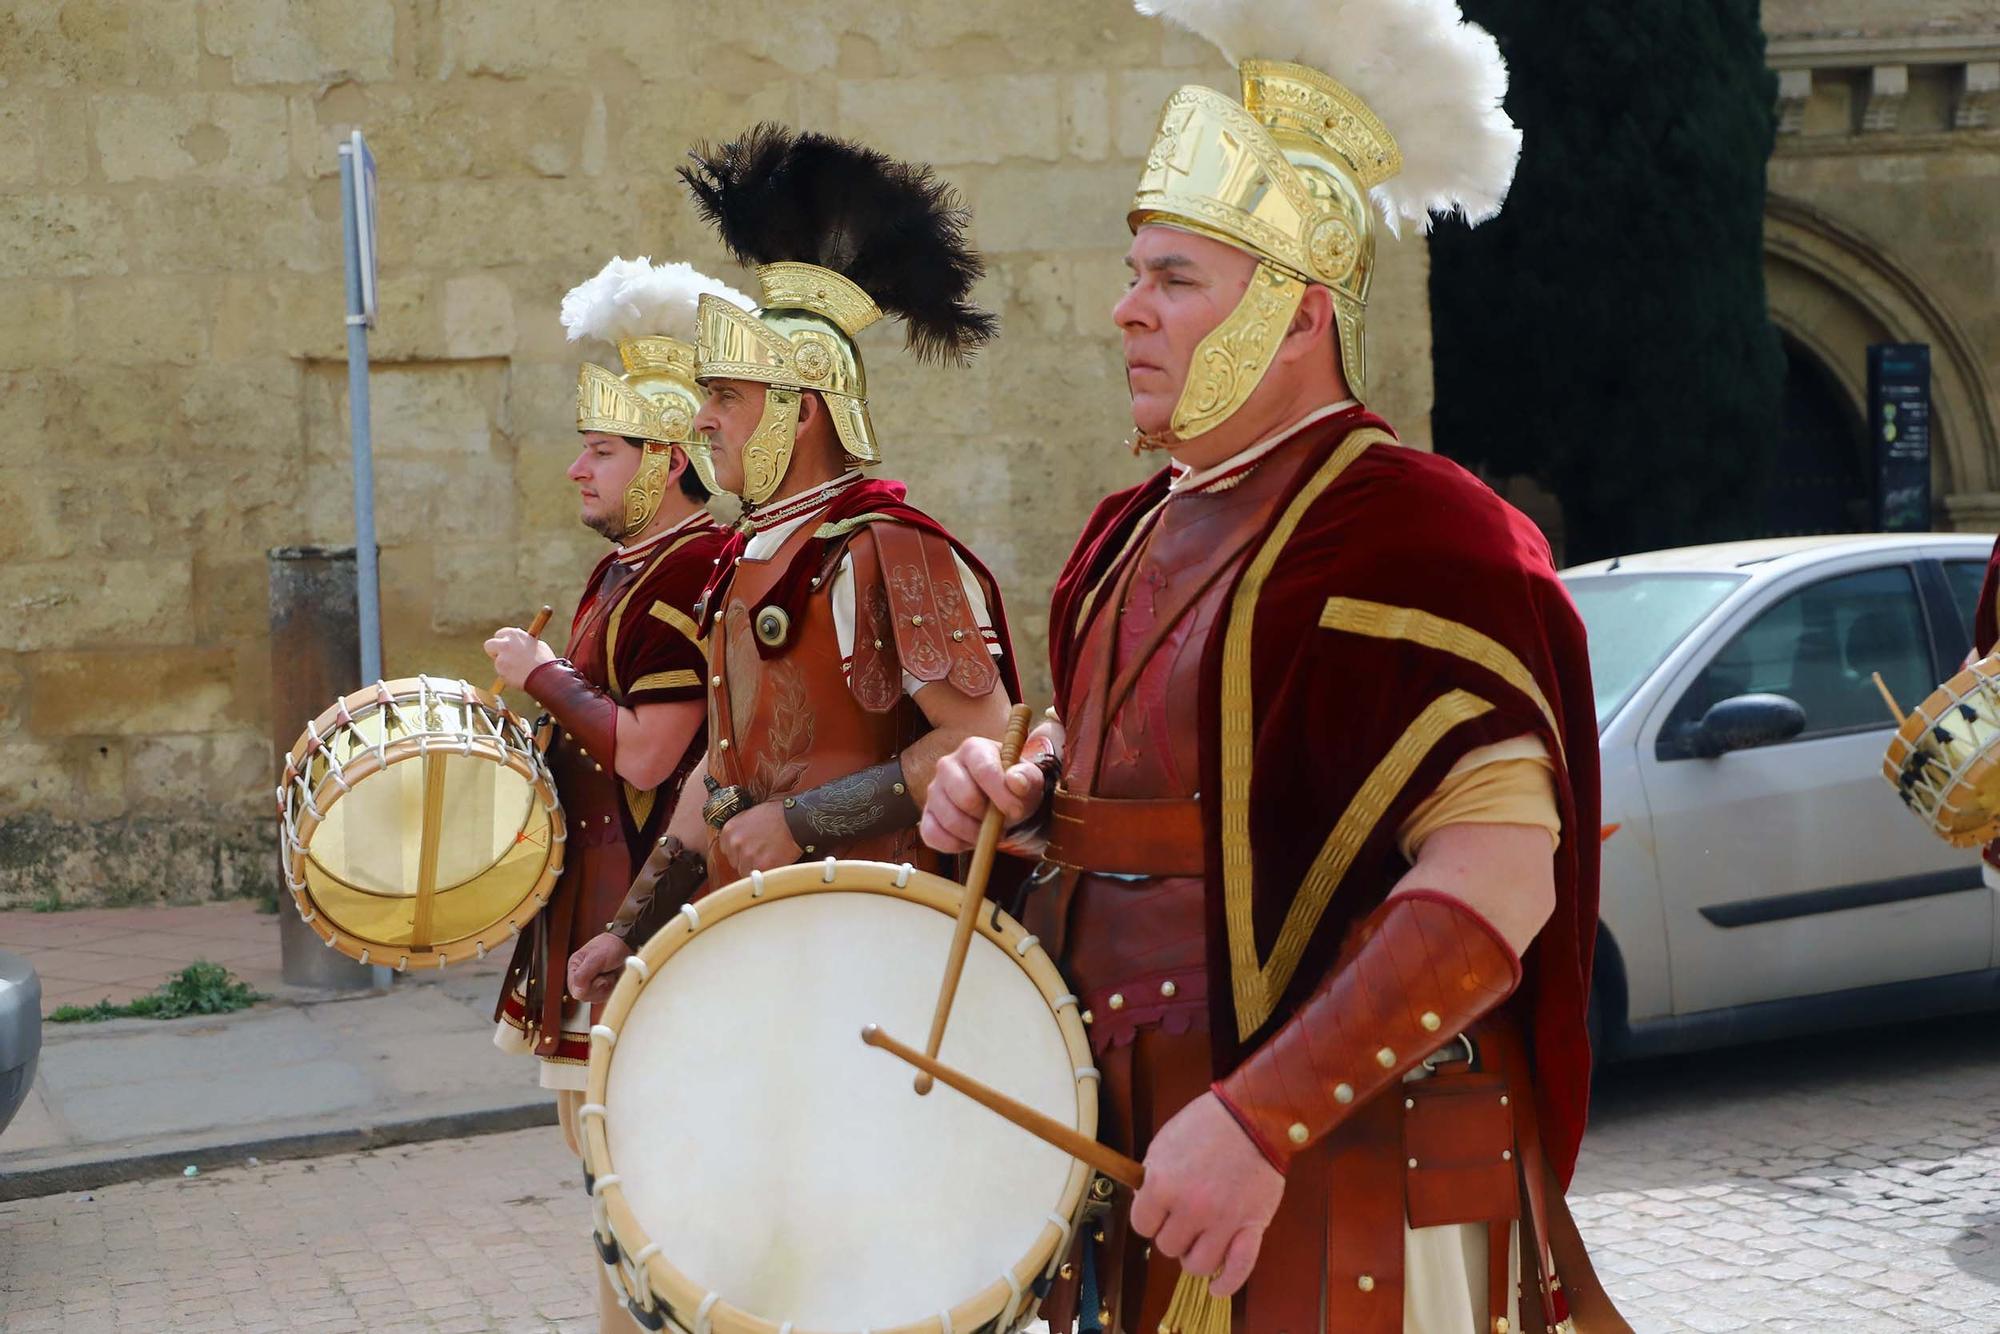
x=365, y=862
x=441, y=834
x=792, y=1171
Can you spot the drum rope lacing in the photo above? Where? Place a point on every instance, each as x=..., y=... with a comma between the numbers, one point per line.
x=475, y=728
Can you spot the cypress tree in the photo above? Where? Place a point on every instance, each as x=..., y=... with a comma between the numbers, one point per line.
x=1607, y=333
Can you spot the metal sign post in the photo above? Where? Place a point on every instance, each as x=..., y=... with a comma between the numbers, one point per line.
x=357, y=230
x=357, y=227
x=1899, y=425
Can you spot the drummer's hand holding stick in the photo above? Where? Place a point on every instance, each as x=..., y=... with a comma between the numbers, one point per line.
x=517, y=652
x=971, y=780
x=1210, y=1271
x=984, y=844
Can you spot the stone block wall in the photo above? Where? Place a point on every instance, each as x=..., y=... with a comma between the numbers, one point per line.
x=172, y=384
x=1880, y=228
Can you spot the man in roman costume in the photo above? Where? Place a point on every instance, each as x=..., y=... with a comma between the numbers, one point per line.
x=852, y=639
x=1319, y=791
x=627, y=698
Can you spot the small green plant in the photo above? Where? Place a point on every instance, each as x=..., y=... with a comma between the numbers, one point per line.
x=200, y=988
x=49, y=902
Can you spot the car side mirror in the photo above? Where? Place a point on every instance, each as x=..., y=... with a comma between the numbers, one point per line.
x=1744, y=722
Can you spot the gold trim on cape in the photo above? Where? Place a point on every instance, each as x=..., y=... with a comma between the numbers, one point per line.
x=1255, y=997
x=1378, y=620
x=679, y=620
x=1375, y=796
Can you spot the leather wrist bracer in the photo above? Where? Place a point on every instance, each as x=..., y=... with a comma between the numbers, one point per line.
x=1427, y=966
x=586, y=713
x=670, y=878
x=861, y=805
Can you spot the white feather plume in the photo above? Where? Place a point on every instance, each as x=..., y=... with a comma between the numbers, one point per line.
x=635, y=298
x=1436, y=81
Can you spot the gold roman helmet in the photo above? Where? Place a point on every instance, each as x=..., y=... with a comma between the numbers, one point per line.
x=840, y=236
x=1294, y=173
x=649, y=311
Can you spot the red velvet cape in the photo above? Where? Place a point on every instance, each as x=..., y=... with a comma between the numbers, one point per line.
x=874, y=500
x=1986, y=616
x=1395, y=615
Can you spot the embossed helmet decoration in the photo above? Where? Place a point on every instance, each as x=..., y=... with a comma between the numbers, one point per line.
x=840, y=235
x=1349, y=106
x=648, y=310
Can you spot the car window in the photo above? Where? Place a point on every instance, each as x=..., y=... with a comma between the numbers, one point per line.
x=1966, y=578
x=1635, y=620
x=1819, y=647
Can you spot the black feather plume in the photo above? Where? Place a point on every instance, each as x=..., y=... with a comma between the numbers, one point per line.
x=891, y=228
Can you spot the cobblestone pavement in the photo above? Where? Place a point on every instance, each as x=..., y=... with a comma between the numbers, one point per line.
x=1848, y=1183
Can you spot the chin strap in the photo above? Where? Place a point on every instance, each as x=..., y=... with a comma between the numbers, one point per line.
x=588, y=714
x=1426, y=968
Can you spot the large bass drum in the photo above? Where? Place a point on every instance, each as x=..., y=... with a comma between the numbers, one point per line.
x=419, y=824
x=756, y=1169
x=1944, y=760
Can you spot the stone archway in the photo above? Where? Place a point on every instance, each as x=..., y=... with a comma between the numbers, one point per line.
x=1833, y=292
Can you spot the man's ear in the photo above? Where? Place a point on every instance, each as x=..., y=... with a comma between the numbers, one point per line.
x=811, y=408
x=1311, y=323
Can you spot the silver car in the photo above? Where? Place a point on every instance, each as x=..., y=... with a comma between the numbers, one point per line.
x=20, y=1032
x=1760, y=879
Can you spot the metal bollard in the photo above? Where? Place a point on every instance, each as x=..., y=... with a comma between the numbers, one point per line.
x=315, y=659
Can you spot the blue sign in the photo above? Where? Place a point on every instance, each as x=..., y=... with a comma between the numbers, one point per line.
x=1899, y=427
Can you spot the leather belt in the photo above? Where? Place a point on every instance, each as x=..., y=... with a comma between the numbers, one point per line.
x=1118, y=836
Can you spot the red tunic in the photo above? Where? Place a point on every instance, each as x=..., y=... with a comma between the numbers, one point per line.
x=635, y=637
x=1351, y=622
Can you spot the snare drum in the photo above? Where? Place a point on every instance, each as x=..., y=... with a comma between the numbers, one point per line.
x=1942, y=760
x=419, y=824
x=755, y=1168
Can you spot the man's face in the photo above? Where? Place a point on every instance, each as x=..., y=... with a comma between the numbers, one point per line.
x=728, y=417
x=602, y=472
x=1182, y=286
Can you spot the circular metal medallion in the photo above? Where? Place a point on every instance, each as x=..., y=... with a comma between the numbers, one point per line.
x=1333, y=247
x=814, y=361
x=772, y=626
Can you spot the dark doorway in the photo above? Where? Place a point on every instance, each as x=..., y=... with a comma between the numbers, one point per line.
x=1820, y=476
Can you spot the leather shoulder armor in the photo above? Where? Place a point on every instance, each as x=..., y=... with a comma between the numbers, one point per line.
x=918, y=591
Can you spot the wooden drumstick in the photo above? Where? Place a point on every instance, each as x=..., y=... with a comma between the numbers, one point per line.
x=975, y=889
x=1894, y=709
x=535, y=628
x=1045, y=1128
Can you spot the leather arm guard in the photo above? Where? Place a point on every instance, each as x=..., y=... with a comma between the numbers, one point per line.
x=1426, y=968
x=669, y=879
x=865, y=803
x=585, y=712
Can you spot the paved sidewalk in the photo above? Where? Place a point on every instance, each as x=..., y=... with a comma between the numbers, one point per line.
x=115, y=954
x=305, y=1072
x=1849, y=1183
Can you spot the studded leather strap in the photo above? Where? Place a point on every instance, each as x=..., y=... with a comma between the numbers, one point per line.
x=1424, y=968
